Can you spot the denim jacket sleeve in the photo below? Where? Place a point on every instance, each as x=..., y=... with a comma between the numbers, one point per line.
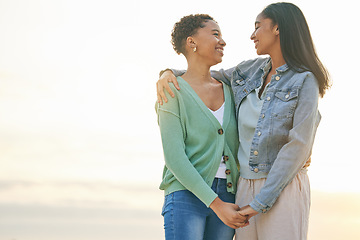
x=292, y=155
x=177, y=73
x=222, y=75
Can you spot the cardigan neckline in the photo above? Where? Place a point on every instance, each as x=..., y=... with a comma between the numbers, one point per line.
x=204, y=108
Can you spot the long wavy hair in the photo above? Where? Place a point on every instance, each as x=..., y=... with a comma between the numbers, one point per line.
x=296, y=42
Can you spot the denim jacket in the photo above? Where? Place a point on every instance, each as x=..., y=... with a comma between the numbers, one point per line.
x=286, y=128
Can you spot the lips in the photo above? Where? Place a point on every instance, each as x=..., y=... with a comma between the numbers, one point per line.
x=256, y=43
x=220, y=50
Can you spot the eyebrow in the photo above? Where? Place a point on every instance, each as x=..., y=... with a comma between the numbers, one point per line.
x=215, y=30
x=257, y=22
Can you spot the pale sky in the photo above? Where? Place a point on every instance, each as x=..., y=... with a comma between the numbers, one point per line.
x=77, y=94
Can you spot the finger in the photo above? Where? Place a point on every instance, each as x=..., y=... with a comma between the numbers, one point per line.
x=242, y=217
x=246, y=224
x=168, y=89
x=159, y=99
x=176, y=84
x=233, y=226
x=239, y=226
x=162, y=95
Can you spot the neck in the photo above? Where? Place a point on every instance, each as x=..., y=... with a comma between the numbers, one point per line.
x=197, y=71
x=277, y=59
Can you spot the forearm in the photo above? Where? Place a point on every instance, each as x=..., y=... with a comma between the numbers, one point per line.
x=178, y=162
x=294, y=154
x=222, y=74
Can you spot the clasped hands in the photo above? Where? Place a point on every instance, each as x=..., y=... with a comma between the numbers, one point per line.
x=231, y=214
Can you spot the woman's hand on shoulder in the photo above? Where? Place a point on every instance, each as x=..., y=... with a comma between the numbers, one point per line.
x=162, y=83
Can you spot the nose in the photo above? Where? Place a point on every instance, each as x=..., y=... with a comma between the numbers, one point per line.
x=222, y=42
x=252, y=35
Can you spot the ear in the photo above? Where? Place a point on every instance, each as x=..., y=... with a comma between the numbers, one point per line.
x=276, y=30
x=190, y=42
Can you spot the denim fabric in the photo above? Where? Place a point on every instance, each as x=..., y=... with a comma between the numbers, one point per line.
x=287, y=125
x=186, y=217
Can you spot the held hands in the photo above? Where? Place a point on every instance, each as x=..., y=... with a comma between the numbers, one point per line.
x=247, y=211
x=229, y=213
x=162, y=83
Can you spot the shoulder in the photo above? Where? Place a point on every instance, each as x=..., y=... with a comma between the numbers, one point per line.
x=247, y=68
x=256, y=63
x=304, y=78
x=173, y=103
x=305, y=82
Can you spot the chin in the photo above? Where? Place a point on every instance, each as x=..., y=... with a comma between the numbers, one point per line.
x=260, y=53
x=217, y=61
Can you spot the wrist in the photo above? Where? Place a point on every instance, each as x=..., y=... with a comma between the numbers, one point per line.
x=216, y=203
x=163, y=71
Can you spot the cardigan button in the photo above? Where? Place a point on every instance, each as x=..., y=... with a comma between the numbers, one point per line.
x=229, y=185
x=226, y=158
x=220, y=131
x=227, y=172
x=256, y=170
x=256, y=153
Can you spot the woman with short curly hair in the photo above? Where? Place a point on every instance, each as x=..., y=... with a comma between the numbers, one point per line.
x=200, y=140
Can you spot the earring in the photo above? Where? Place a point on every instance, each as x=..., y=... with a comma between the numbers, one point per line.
x=194, y=49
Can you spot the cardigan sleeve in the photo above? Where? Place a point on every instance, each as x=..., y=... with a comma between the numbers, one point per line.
x=173, y=136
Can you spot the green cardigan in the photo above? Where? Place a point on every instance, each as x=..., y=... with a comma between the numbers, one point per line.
x=194, y=142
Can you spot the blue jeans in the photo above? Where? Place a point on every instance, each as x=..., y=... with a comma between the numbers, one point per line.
x=187, y=218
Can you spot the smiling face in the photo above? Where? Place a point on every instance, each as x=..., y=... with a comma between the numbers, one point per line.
x=266, y=36
x=208, y=42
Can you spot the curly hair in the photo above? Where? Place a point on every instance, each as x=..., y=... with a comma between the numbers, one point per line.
x=187, y=26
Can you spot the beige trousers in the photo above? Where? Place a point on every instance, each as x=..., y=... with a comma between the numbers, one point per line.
x=288, y=218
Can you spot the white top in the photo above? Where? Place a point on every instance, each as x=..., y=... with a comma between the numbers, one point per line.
x=219, y=115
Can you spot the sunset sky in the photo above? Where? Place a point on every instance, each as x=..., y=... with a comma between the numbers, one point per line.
x=80, y=149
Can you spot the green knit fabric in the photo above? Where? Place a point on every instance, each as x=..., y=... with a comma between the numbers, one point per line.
x=194, y=142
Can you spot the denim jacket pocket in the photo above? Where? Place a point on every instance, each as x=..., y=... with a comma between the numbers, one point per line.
x=287, y=95
x=286, y=103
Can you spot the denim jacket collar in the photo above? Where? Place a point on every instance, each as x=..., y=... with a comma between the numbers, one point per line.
x=267, y=66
